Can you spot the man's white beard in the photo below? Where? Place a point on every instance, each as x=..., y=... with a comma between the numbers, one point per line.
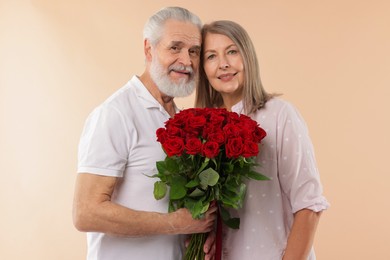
x=184, y=87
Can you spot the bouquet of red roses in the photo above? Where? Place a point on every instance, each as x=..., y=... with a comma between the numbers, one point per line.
x=210, y=152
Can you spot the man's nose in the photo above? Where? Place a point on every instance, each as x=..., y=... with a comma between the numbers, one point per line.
x=185, y=58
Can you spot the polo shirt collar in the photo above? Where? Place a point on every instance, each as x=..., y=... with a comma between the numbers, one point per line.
x=145, y=98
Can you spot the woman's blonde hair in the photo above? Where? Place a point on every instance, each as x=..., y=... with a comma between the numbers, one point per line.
x=254, y=94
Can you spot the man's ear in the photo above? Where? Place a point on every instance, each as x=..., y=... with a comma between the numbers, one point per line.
x=147, y=50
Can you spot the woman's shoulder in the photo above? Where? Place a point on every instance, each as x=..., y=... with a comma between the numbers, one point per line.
x=278, y=104
x=280, y=108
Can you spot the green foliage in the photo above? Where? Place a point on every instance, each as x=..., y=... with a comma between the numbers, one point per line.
x=208, y=177
x=230, y=222
x=160, y=189
x=257, y=176
x=178, y=189
x=195, y=181
x=210, y=155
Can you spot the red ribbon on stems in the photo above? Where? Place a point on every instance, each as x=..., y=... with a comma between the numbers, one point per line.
x=218, y=242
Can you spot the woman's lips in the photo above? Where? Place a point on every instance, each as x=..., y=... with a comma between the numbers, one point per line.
x=227, y=76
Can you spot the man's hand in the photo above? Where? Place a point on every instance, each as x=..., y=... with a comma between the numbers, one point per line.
x=181, y=221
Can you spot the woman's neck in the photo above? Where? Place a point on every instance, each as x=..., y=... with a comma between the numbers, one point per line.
x=229, y=101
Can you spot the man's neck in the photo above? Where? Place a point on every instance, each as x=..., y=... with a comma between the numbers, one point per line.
x=166, y=101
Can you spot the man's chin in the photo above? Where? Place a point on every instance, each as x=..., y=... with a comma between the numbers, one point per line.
x=176, y=87
x=181, y=91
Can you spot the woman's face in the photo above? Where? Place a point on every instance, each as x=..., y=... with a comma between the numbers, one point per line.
x=223, y=65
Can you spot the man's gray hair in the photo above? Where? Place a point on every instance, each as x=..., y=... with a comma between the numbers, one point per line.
x=153, y=28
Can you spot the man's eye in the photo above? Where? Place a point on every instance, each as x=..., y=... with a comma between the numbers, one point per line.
x=175, y=48
x=194, y=53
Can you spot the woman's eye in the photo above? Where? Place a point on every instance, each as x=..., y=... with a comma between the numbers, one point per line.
x=232, y=51
x=210, y=57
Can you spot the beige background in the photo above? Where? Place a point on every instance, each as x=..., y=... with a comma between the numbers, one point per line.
x=59, y=59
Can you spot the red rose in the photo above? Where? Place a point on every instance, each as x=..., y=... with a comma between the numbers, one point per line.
x=207, y=129
x=174, y=146
x=234, y=147
x=177, y=121
x=195, y=124
x=204, y=131
x=233, y=118
x=250, y=149
x=231, y=130
x=258, y=134
x=217, y=136
x=175, y=131
x=162, y=135
x=246, y=119
x=247, y=132
x=210, y=149
x=217, y=119
x=193, y=146
x=192, y=111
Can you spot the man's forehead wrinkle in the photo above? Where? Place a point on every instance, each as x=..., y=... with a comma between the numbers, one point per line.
x=195, y=42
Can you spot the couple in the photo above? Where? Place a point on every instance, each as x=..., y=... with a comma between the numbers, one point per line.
x=114, y=199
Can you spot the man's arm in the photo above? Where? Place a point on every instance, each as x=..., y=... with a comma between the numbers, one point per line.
x=302, y=234
x=94, y=211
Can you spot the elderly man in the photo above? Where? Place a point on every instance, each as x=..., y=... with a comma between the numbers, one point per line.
x=114, y=199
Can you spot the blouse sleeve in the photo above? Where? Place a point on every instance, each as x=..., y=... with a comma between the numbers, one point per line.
x=298, y=172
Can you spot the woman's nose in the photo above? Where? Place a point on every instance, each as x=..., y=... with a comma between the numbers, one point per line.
x=224, y=64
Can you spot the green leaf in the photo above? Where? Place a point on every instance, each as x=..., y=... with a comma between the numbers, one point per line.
x=232, y=184
x=228, y=167
x=151, y=176
x=160, y=189
x=205, y=207
x=178, y=189
x=199, y=208
x=194, y=206
x=208, y=177
x=192, y=184
x=172, y=164
x=241, y=161
x=171, y=207
x=251, y=161
x=162, y=168
x=216, y=193
x=230, y=202
x=197, y=193
x=177, y=192
x=230, y=222
x=225, y=215
x=204, y=164
x=233, y=223
x=257, y=176
x=241, y=195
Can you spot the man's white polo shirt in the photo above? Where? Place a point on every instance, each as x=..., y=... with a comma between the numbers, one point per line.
x=119, y=139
